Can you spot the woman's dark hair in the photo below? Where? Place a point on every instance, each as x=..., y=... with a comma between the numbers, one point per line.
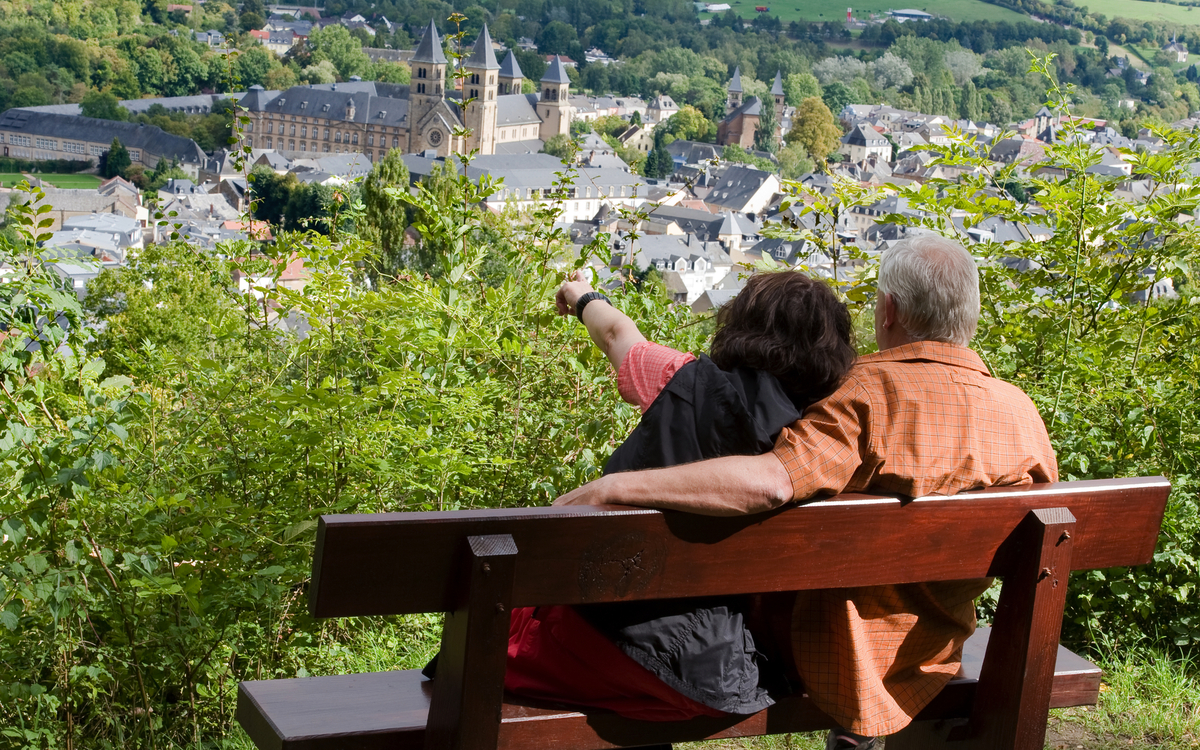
x=791, y=326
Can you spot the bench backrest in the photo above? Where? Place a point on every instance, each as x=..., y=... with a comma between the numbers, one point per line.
x=405, y=563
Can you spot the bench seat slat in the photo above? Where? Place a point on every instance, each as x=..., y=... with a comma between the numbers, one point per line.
x=388, y=709
x=405, y=563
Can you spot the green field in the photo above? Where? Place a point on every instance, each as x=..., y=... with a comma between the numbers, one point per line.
x=831, y=10
x=1142, y=11
x=77, y=181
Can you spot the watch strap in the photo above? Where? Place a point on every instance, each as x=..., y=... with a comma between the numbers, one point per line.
x=583, y=301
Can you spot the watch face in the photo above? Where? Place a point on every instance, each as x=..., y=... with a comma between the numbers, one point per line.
x=435, y=137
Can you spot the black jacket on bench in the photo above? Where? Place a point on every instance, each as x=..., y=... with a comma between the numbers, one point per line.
x=701, y=648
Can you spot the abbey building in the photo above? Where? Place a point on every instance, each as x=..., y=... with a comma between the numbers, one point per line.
x=371, y=118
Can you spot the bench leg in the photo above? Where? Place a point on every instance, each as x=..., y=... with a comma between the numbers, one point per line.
x=464, y=714
x=1012, y=702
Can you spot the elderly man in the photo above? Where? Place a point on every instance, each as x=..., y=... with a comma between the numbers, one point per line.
x=921, y=416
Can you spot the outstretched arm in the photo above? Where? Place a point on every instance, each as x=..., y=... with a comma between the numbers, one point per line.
x=729, y=486
x=611, y=330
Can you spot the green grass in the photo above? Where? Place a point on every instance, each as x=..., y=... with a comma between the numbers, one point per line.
x=834, y=10
x=1143, y=11
x=76, y=181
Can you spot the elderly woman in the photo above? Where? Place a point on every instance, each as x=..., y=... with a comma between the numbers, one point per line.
x=782, y=344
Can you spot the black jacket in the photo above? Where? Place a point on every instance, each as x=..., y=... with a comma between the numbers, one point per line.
x=701, y=648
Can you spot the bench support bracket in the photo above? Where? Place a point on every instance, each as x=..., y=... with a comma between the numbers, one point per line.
x=1011, y=703
x=464, y=712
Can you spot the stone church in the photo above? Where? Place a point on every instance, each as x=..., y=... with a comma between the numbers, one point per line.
x=372, y=118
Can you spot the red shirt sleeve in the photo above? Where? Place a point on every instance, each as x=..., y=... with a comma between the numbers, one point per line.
x=646, y=371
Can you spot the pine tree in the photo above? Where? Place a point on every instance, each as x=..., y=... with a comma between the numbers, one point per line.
x=971, y=104
x=116, y=161
x=764, y=136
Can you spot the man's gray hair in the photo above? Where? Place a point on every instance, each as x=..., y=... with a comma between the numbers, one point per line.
x=935, y=285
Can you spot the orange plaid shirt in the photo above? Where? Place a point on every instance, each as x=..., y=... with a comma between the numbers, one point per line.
x=918, y=419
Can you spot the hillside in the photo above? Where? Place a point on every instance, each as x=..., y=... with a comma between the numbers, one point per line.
x=833, y=10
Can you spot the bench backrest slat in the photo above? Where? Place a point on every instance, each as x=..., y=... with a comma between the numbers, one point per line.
x=403, y=563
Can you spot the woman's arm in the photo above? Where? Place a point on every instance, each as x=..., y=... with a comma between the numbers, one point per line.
x=612, y=330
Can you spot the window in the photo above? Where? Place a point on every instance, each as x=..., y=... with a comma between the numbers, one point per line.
x=421, y=74
x=370, y=139
x=303, y=146
x=491, y=95
x=292, y=131
x=250, y=127
x=337, y=137
x=269, y=143
x=74, y=148
x=270, y=127
x=303, y=105
x=474, y=93
x=395, y=142
x=326, y=149
x=303, y=132
x=327, y=137
x=291, y=145
x=135, y=154
x=47, y=143
x=98, y=150
x=420, y=88
x=354, y=139
x=474, y=78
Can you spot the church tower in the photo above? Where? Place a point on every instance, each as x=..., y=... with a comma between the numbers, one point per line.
x=554, y=106
x=426, y=92
x=735, y=91
x=481, y=85
x=511, y=76
x=778, y=95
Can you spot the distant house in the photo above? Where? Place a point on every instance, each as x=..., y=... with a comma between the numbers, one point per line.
x=635, y=136
x=865, y=141
x=1176, y=51
x=212, y=38
x=909, y=14
x=744, y=190
x=565, y=61
x=126, y=229
x=28, y=134
x=661, y=108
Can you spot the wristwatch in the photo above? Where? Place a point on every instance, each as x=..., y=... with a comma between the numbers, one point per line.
x=583, y=301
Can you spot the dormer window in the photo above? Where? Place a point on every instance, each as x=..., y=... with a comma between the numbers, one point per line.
x=303, y=105
x=382, y=114
x=282, y=101
x=325, y=108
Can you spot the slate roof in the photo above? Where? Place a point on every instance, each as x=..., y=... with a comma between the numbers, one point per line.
x=693, y=152
x=147, y=138
x=752, y=107
x=706, y=226
x=483, y=56
x=532, y=146
x=517, y=109
x=737, y=186
x=864, y=135
x=430, y=48
x=736, y=83
x=305, y=101
x=510, y=68
x=777, y=87
x=556, y=72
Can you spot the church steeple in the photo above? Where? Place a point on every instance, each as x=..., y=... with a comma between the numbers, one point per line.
x=510, y=75
x=555, y=103
x=481, y=86
x=426, y=92
x=735, y=91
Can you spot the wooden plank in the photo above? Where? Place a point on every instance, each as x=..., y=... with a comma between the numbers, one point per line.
x=1012, y=701
x=401, y=563
x=388, y=710
x=469, y=689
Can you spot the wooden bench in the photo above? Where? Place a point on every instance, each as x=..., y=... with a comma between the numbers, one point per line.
x=477, y=565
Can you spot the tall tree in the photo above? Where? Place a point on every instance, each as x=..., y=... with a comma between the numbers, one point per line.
x=764, y=135
x=813, y=127
x=115, y=161
x=102, y=105
x=384, y=217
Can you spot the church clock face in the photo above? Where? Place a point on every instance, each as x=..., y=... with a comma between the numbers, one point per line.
x=435, y=137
